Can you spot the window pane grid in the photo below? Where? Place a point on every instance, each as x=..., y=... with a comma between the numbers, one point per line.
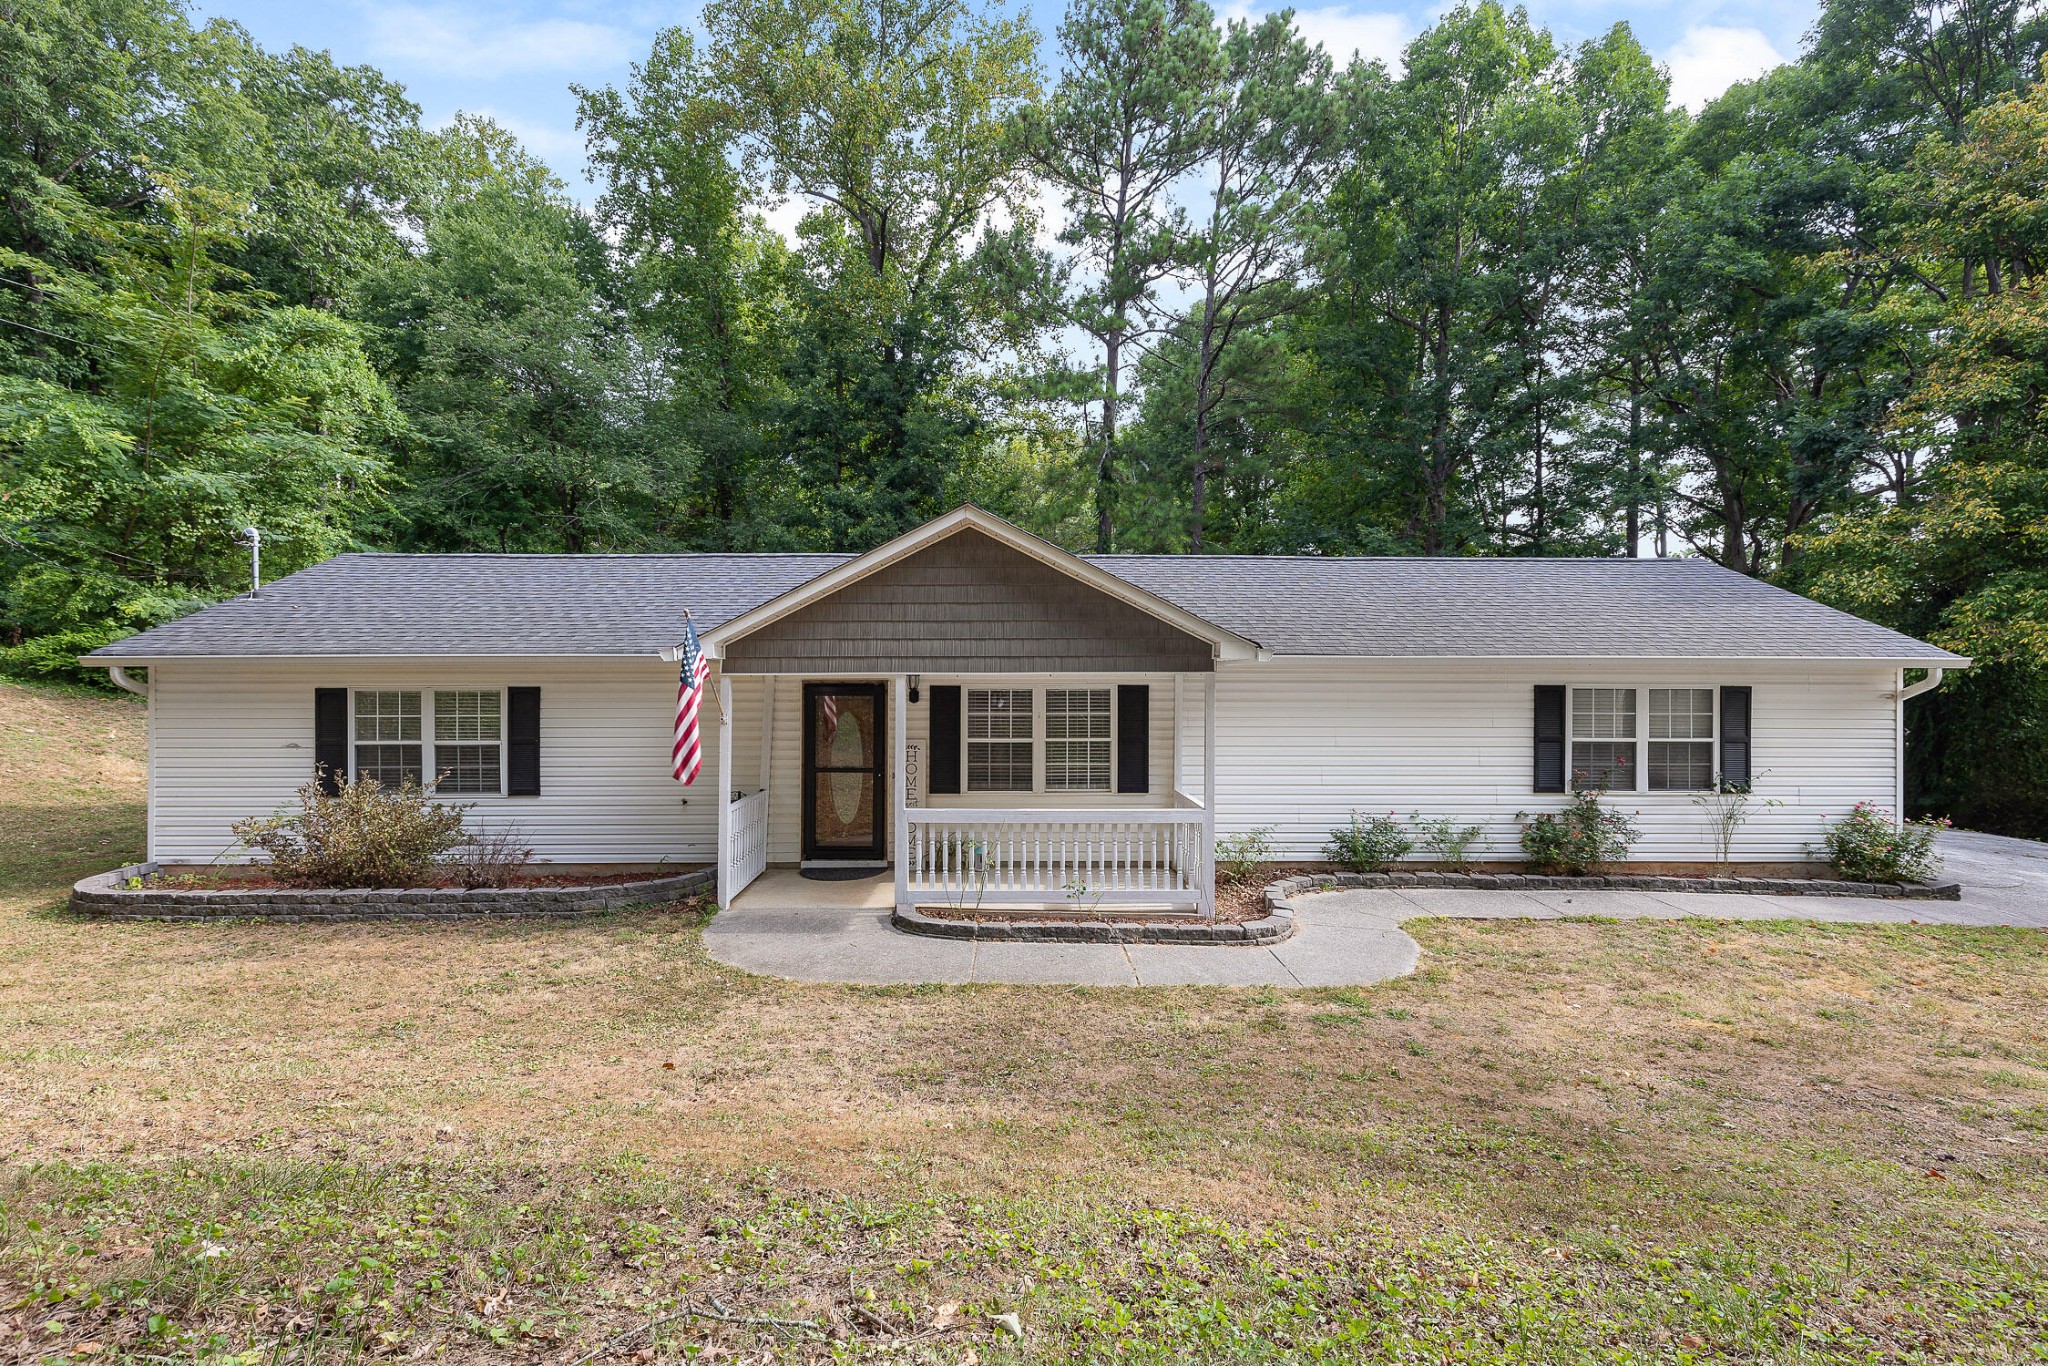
x=1681, y=765
x=387, y=716
x=999, y=766
x=1681, y=713
x=1604, y=765
x=999, y=714
x=466, y=768
x=466, y=716
x=1077, y=733
x=1604, y=713
x=390, y=765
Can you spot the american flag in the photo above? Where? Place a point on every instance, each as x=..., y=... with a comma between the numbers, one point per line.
x=688, y=754
x=828, y=709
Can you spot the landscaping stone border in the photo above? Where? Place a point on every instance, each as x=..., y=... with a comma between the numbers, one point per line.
x=1271, y=928
x=1278, y=892
x=1278, y=922
x=104, y=898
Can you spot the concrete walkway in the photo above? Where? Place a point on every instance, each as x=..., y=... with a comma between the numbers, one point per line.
x=840, y=932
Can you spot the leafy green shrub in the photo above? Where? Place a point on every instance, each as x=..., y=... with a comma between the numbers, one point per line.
x=1869, y=845
x=1580, y=839
x=1238, y=856
x=1448, y=842
x=365, y=835
x=1368, y=846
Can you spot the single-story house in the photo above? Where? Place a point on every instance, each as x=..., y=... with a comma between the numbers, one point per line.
x=980, y=709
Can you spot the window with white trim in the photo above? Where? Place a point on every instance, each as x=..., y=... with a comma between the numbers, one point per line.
x=391, y=730
x=387, y=737
x=469, y=734
x=999, y=740
x=1667, y=736
x=1077, y=739
x=1681, y=740
x=1604, y=739
x=1009, y=749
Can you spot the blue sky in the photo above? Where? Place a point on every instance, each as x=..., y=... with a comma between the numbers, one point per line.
x=514, y=60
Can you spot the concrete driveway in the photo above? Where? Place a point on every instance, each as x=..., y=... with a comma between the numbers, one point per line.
x=838, y=932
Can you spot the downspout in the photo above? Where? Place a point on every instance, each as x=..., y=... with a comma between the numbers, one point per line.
x=1927, y=684
x=121, y=679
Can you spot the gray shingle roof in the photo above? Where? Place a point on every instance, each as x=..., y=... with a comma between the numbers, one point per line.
x=370, y=604
x=374, y=604
x=1394, y=606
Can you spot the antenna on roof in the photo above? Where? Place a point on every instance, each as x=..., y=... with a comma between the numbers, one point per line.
x=255, y=540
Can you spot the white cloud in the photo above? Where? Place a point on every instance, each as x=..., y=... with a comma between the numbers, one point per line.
x=1343, y=32
x=454, y=40
x=1709, y=59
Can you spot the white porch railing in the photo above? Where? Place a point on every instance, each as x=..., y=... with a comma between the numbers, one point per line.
x=749, y=857
x=1076, y=859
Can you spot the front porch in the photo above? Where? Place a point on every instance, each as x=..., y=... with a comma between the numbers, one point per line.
x=817, y=777
x=999, y=723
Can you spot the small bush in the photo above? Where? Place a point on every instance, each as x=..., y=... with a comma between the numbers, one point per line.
x=1369, y=845
x=1448, y=842
x=365, y=835
x=1581, y=839
x=1238, y=856
x=1869, y=845
x=495, y=859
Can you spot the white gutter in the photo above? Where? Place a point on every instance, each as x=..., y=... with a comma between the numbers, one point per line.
x=120, y=678
x=1927, y=684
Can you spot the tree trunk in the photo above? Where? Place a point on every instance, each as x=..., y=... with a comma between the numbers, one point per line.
x=1105, y=467
x=1635, y=459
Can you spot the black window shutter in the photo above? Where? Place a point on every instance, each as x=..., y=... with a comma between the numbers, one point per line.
x=1550, y=767
x=522, y=742
x=1735, y=731
x=330, y=738
x=1134, y=737
x=944, y=768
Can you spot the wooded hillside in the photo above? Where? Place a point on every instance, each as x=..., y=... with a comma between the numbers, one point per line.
x=1160, y=284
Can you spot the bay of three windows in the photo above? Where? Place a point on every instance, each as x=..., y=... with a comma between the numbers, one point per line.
x=1654, y=739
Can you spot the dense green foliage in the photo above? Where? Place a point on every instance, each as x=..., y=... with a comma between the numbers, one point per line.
x=1175, y=284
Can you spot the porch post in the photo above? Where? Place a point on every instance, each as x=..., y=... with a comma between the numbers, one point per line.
x=1209, y=793
x=899, y=808
x=768, y=682
x=724, y=795
x=1179, y=739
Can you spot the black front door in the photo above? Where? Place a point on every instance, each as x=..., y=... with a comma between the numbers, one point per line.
x=844, y=727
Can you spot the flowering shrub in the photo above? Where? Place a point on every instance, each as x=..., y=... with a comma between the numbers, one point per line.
x=1368, y=846
x=1870, y=845
x=1577, y=840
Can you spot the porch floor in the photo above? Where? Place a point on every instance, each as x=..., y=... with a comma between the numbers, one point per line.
x=785, y=889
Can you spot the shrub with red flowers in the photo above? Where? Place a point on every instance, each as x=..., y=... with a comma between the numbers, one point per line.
x=1583, y=838
x=1870, y=844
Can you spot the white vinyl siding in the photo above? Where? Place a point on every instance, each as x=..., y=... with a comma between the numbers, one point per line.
x=234, y=738
x=1301, y=744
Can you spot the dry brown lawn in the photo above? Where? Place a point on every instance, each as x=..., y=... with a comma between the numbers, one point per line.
x=1788, y=1088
